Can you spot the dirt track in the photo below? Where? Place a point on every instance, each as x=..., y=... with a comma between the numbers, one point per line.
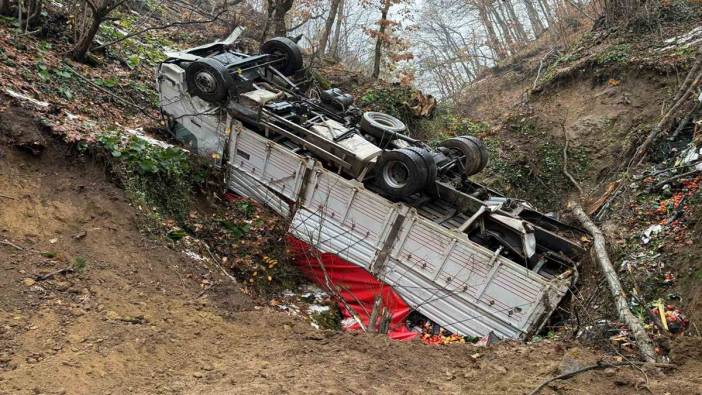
x=136, y=319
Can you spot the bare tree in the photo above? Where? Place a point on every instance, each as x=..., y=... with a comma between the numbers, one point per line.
x=380, y=38
x=337, y=30
x=328, y=24
x=534, y=18
x=276, y=12
x=99, y=10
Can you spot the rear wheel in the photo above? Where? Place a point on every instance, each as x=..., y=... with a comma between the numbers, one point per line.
x=288, y=50
x=472, y=151
x=209, y=80
x=401, y=173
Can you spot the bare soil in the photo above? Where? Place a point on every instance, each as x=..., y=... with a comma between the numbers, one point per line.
x=137, y=316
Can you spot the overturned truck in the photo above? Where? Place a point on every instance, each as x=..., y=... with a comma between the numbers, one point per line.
x=355, y=185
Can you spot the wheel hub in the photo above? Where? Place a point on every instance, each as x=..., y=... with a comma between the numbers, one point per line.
x=396, y=174
x=205, y=82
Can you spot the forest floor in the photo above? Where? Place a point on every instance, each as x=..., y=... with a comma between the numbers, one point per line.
x=131, y=314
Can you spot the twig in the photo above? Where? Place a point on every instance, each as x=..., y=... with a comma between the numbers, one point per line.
x=101, y=89
x=215, y=262
x=11, y=244
x=49, y=275
x=162, y=27
x=541, y=65
x=642, y=340
x=595, y=367
x=7, y=197
x=673, y=178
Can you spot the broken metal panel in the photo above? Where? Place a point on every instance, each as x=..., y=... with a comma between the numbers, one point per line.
x=241, y=183
x=346, y=207
x=270, y=164
x=458, y=272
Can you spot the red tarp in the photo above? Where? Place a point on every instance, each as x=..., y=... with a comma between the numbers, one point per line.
x=356, y=285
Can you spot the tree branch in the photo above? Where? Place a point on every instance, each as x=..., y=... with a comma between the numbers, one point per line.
x=600, y=248
x=162, y=27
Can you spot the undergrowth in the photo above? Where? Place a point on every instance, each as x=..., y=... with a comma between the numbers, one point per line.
x=156, y=178
x=534, y=170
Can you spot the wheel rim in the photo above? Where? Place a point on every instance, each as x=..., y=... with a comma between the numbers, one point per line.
x=396, y=174
x=205, y=82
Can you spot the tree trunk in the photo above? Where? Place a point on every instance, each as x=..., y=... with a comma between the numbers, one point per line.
x=34, y=11
x=546, y=9
x=493, y=40
x=267, y=25
x=80, y=50
x=506, y=33
x=337, y=31
x=515, y=22
x=4, y=7
x=642, y=340
x=534, y=19
x=379, y=40
x=329, y=23
x=281, y=10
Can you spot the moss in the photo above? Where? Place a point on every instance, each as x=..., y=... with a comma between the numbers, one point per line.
x=615, y=54
x=535, y=172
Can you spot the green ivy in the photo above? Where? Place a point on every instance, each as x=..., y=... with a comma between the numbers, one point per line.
x=157, y=177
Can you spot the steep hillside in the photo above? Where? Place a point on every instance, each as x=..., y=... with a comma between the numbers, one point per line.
x=584, y=109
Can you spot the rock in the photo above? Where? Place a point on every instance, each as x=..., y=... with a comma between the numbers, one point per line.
x=574, y=360
x=198, y=375
x=610, y=372
x=112, y=315
x=62, y=286
x=28, y=282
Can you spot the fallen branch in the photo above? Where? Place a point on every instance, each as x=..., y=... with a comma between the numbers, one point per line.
x=215, y=262
x=671, y=179
x=11, y=244
x=541, y=65
x=595, y=367
x=642, y=340
x=6, y=197
x=49, y=275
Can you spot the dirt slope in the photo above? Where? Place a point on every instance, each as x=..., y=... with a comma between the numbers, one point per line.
x=138, y=317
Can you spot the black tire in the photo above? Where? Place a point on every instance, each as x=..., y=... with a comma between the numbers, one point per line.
x=483, y=150
x=429, y=162
x=287, y=48
x=381, y=126
x=209, y=80
x=476, y=156
x=401, y=173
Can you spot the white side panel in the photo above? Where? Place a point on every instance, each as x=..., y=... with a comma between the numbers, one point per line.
x=462, y=285
x=356, y=221
x=207, y=125
x=267, y=162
